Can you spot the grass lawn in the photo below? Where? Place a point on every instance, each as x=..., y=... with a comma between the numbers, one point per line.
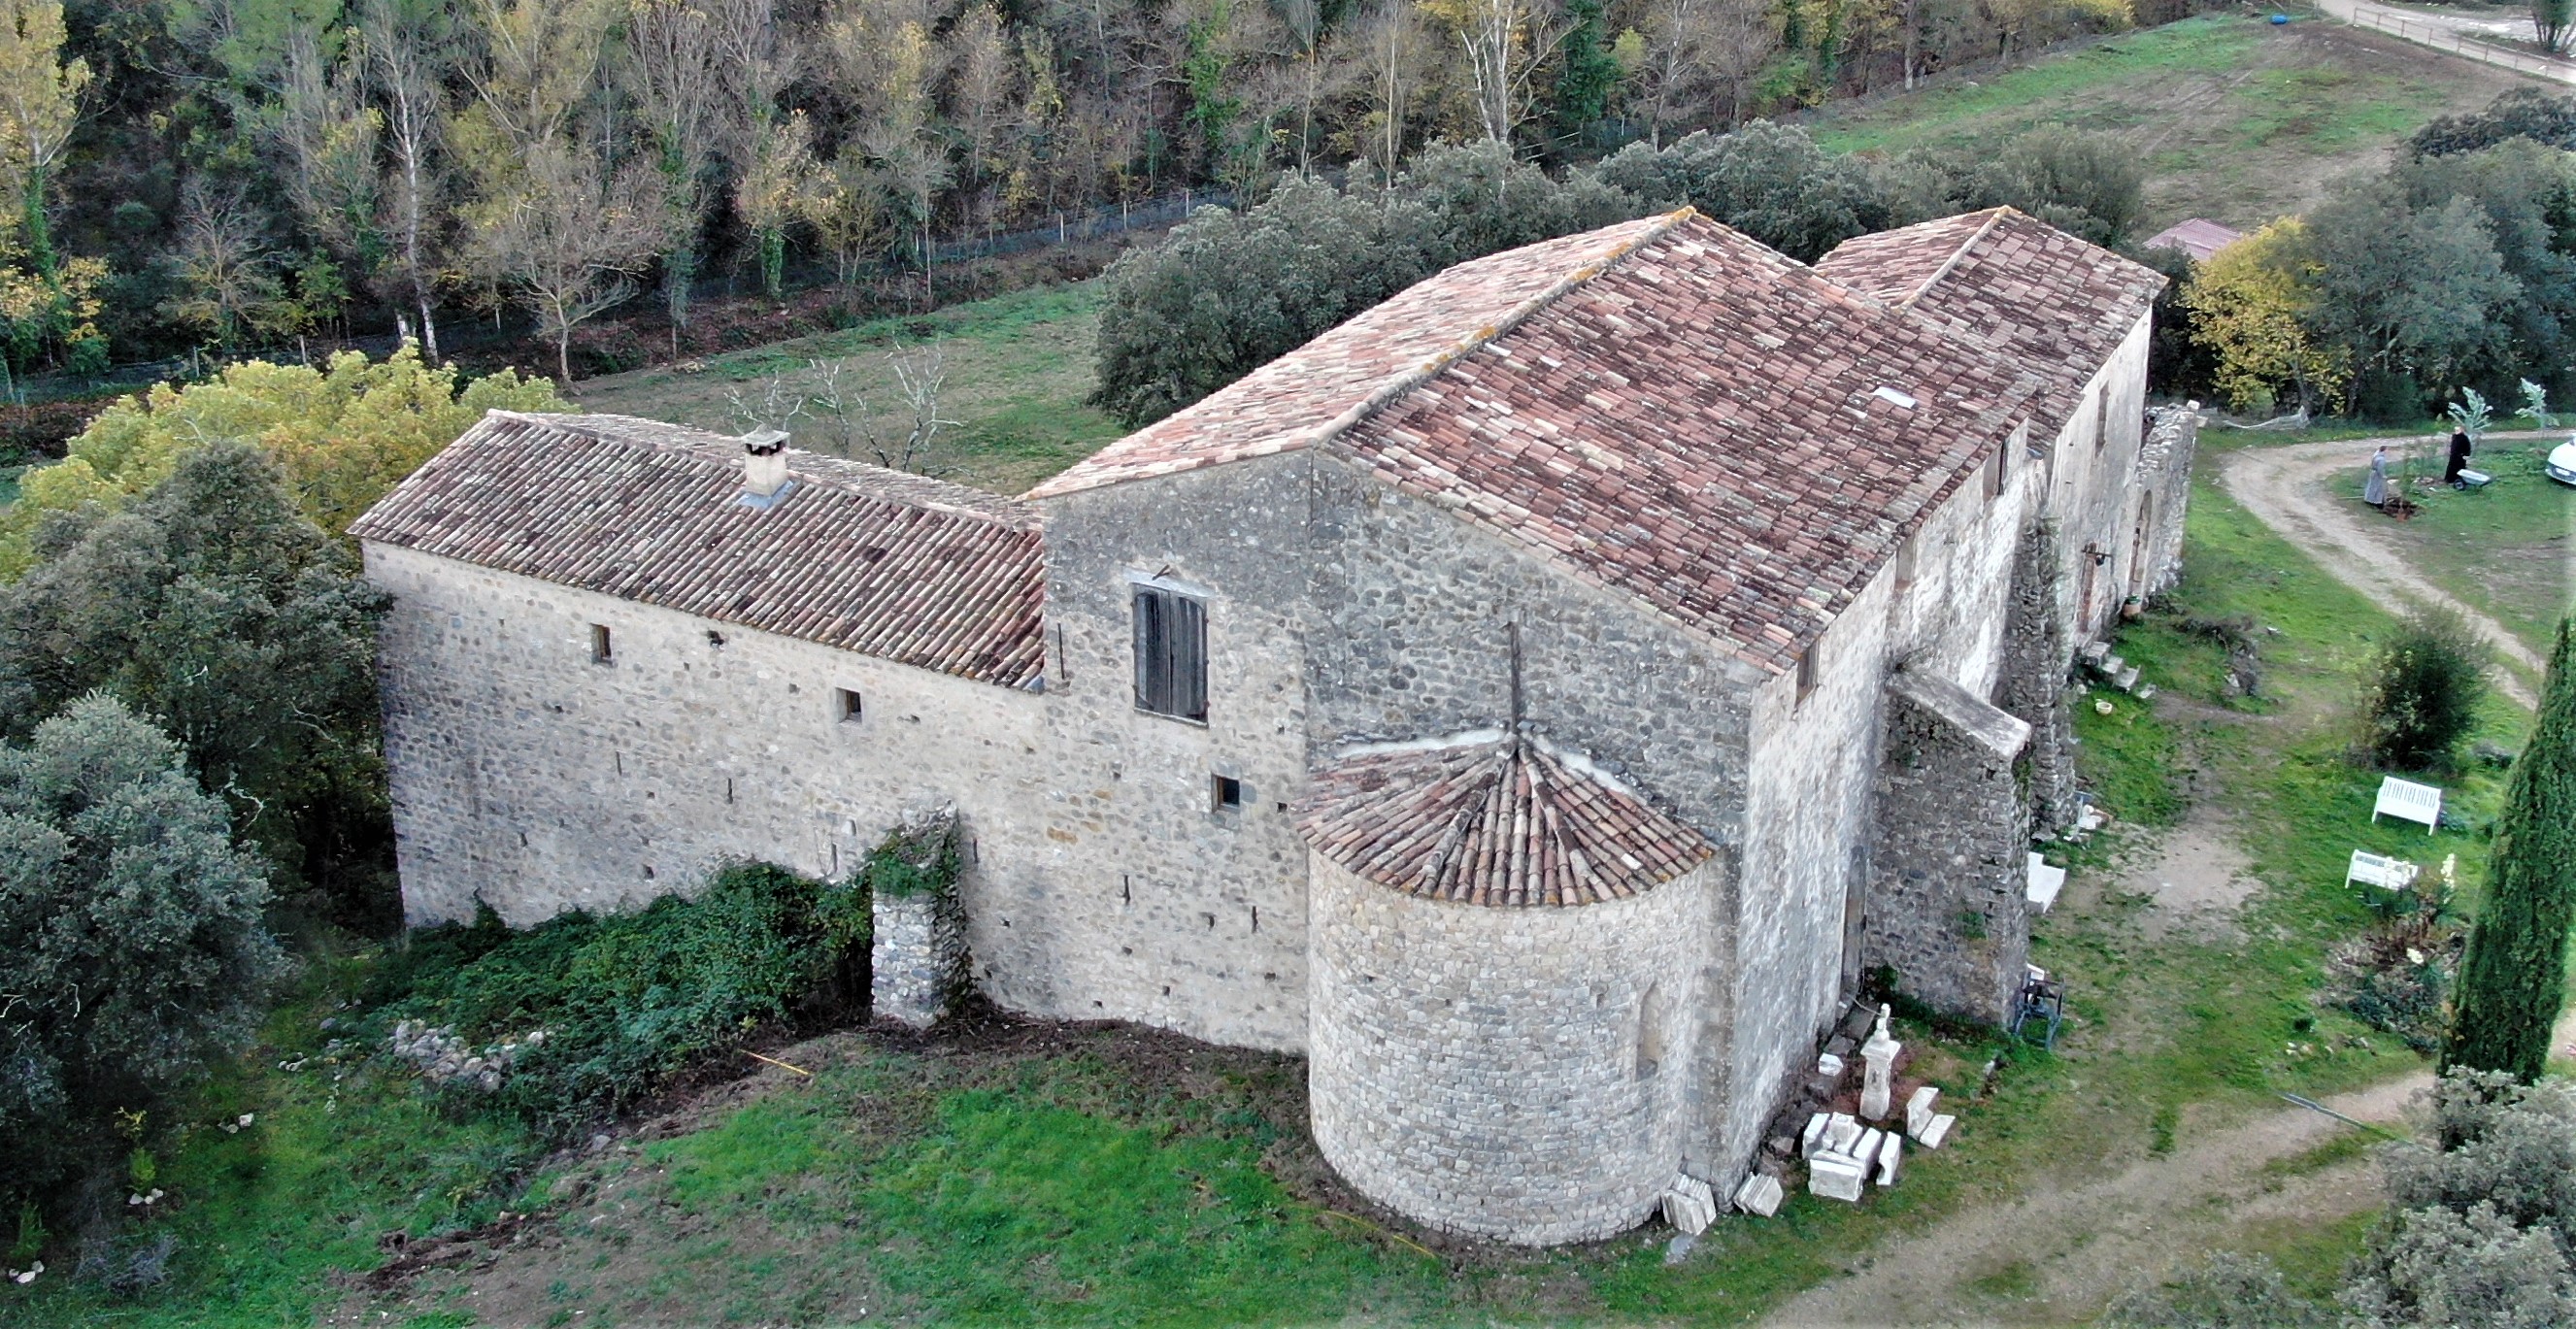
x=1107, y=1175
x=2510, y=547
x=2236, y=120
x=1016, y=370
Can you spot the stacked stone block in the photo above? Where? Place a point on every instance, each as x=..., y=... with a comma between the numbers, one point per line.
x=2038, y=653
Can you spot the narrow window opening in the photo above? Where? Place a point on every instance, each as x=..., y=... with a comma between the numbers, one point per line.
x=1171, y=654
x=2102, y=420
x=600, y=649
x=846, y=705
x=1807, y=671
x=1650, y=1031
x=1905, y=560
x=1225, y=793
x=1995, y=472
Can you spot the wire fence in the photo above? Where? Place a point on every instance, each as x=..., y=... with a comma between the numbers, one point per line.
x=2447, y=37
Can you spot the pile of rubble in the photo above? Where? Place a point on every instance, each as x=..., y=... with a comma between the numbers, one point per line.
x=1842, y=1152
x=445, y=1059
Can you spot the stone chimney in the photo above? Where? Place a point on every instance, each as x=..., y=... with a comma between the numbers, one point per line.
x=764, y=466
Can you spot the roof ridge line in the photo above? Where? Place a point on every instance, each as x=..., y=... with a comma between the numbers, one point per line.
x=1021, y=517
x=1388, y=392
x=1993, y=216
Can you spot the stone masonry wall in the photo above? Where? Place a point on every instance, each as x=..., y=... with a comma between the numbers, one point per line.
x=527, y=776
x=2038, y=654
x=1410, y=638
x=917, y=958
x=1155, y=904
x=2164, y=473
x=1946, y=910
x=1509, y=1073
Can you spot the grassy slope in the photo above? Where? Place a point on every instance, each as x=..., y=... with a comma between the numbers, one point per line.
x=1017, y=367
x=2235, y=119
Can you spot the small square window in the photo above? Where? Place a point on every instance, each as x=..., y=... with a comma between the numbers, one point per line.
x=1225, y=793
x=600, y=652
x=846, y=705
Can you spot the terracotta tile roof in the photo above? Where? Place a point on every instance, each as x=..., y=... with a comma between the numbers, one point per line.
x=2053, y=302
x=879, y=562
x=1495, y=820
x=1322, y=386
x=2197, y=236
x=1711, y=427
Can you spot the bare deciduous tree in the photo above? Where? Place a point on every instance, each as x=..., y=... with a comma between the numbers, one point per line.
x=223, y=267
x=570, y=240
x=671, y=67
x=407, y=45
x=1505, y=43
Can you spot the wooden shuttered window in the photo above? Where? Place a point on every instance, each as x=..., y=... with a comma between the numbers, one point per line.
x=1171, y=654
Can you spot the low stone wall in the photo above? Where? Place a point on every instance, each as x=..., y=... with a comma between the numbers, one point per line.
x=1947, y=910
x=1506, y=1073
x=917, y=959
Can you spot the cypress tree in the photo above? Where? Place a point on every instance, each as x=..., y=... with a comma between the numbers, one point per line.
x=2514, y=975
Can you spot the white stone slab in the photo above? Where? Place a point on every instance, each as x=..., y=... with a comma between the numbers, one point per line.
x=1842, y=1133
x=1866, y=1152
x=1920, y=1108
x=1689, y=1205
x=1937, y=1132
x=1759, y=1195
x=1827, y=1064
x=1813, y=1138
x=2045, y=881
x=1889, y=1154
x=1836, y=1177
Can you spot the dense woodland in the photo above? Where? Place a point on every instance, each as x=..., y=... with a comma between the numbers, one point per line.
x=232, y=173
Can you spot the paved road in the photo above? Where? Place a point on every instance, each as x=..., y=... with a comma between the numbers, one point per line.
x=2455, y=33
x=2282, y=486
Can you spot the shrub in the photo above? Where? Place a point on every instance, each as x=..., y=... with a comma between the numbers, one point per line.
x=2224, y=1291
x=626, y=1000
x=131, y=946
x=2425, y=690
x=2520, y=113
x=2480, y=1229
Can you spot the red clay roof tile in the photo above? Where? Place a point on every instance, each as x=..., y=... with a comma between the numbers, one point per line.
x=1492, y=820
x=880, y=562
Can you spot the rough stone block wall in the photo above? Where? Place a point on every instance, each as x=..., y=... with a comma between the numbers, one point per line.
x=2164, y=470
x=1409, y=638
x=917, y=957
x=530, y=777
x=2038, y=654
x=1947, y=910
x=1508, y=1073
x=1157, y=905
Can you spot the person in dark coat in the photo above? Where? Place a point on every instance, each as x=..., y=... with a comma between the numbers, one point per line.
x=2460, y=451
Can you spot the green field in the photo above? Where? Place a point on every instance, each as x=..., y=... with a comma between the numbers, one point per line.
x=2236, y=120
x=1016, y=369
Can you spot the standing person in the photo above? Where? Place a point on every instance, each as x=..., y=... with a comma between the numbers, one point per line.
x=2375, y=491
x=2460, y=451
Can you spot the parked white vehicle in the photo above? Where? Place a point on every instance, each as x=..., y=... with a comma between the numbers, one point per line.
x=2562, y=462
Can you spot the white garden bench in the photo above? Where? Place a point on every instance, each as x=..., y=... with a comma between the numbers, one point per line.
x=2414, y=802
x=2370, y=869
x=2045, y=882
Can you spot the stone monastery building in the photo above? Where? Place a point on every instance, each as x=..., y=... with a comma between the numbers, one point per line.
x=1539, y=701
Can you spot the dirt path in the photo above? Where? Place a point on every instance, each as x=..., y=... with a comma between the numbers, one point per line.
x=2281, y=486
